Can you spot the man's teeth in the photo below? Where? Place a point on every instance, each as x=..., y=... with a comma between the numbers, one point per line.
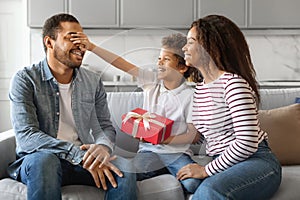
x=77, y=53
x=161, y=69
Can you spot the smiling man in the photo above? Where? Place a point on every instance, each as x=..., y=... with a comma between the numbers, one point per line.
x=62, y=123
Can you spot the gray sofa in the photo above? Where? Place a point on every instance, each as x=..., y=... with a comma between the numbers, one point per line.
x=277, y=115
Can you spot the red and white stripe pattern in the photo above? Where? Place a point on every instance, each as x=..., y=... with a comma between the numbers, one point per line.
x=225, y=112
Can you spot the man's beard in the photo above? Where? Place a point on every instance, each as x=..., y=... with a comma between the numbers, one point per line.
x=64, y=58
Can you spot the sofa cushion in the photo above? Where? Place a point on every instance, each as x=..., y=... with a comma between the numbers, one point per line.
x=160, y=187
x=289, y=188
x=283, y=128
x=11, y=189
x=164, y=186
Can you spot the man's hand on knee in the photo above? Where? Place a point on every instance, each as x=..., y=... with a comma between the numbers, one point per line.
x=95, y=156
x=100, y=175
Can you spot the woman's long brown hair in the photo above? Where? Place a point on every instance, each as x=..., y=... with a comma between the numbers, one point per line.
x=227, y=47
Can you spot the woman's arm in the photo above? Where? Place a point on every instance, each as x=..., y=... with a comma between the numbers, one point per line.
x=82, y=40
x=191, y=137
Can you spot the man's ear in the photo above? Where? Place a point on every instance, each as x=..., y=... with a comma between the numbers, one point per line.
x=48, y=42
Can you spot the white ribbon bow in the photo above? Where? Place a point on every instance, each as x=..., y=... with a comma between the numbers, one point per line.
x=146, y=117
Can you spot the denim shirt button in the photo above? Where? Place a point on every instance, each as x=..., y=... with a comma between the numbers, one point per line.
x=57, y=93
x=57, y=113
x=73, y=161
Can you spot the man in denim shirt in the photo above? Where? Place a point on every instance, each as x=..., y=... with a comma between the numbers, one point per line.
x=62, y=123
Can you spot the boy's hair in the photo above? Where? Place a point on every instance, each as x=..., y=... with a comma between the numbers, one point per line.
x=52, y=25
x=175, y=42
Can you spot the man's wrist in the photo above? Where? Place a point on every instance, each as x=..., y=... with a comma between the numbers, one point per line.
x=106, y=148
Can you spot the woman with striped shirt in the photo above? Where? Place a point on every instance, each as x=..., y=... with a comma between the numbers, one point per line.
x=225, y=109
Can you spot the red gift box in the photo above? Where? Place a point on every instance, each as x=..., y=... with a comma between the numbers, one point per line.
x=148, y=126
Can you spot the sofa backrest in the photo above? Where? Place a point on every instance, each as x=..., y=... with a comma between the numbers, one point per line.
x=120, y=103
x=275, y=98
x=7, y=149
x=270, y=98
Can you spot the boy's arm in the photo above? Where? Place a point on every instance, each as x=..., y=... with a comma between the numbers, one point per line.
x=82, y=40
x=192, y=136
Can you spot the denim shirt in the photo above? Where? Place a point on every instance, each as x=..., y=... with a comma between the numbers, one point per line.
x=34, y=96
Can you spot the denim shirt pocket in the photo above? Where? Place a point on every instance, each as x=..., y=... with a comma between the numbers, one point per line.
x=87, y=101
x=84, y=109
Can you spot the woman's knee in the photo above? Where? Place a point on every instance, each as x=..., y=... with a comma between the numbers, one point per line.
x=191, y=185
x=208, y=191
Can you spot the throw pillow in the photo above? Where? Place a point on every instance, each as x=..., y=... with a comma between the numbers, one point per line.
x=283, y=128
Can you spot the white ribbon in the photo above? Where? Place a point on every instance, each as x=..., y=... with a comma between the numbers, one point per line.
x=147, y=118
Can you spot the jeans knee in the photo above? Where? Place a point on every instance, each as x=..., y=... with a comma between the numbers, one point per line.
x=126, y=187
x=209, y=190
x=41, y=172
x=190, y=185
x=42, y=163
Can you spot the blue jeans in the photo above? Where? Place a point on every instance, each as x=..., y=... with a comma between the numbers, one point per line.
x=258, y=177
x=150, y=164
x=44, y=174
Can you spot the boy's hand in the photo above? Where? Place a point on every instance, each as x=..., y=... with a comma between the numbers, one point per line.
x=82, y=41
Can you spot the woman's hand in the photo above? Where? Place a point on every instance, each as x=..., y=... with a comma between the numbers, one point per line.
x=192, y=170
x=82, y=41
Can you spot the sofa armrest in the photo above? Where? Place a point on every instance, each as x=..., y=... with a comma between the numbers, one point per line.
x=7, y=149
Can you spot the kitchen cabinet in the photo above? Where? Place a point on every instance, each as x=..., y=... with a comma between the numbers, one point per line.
x=174, y=14
x=236, y=10
x=157, y=13
x=107, y=13
x=254, y=14
x=274, y=14
x=90, y=13
x=39, y=10
x=95, y=13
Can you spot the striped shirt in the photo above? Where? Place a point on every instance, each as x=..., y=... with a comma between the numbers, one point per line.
x=225, y=113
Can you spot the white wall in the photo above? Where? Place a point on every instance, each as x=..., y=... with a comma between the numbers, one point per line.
x=275, y=57
x=14, y=50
